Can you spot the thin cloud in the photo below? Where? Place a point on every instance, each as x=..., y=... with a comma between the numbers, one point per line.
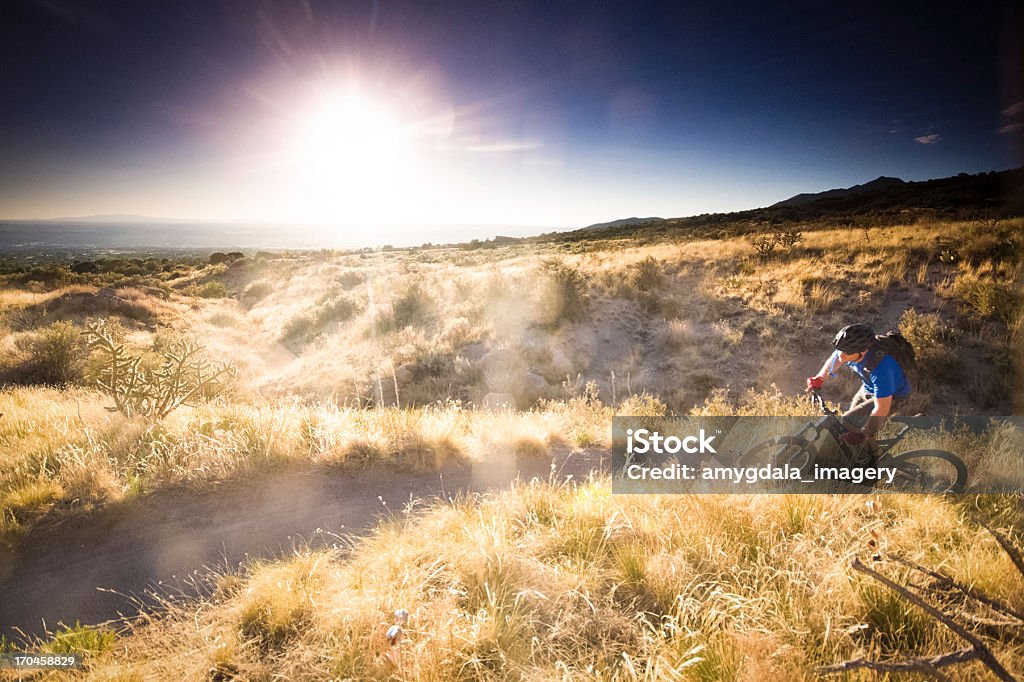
x=928, y=139
x=1014, y=110
x=1011, y=127
x=504, y=147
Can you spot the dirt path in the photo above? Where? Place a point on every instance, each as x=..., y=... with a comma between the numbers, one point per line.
x=96, y=568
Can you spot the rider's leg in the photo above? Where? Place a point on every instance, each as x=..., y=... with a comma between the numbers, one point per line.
x=856, y=418
x=860, y=408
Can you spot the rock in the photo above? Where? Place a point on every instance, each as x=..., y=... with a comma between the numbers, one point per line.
x=405, y=373
x=534, y=386
x=473, y=352
x=499, y=401
x=155, y=292
x=501, y=368
x=560, y=363
x=499, y=359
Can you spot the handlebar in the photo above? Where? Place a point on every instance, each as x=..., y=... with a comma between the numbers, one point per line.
x=819, y=403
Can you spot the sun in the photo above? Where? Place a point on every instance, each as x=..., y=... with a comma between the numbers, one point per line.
x=353, y=157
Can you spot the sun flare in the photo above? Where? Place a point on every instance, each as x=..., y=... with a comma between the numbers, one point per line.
x=353, y=156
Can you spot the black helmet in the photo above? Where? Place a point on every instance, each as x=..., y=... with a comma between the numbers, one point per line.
x=854, y=338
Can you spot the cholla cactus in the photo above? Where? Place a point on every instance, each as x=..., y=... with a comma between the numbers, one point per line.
x=184, y=376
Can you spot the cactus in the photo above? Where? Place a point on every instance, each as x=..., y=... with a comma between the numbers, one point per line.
x=184, y=375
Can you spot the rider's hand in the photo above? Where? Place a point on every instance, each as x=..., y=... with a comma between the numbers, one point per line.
x=853, y=438
x=814, y=383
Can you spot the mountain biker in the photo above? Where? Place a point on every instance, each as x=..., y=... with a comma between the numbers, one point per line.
x=885, y=386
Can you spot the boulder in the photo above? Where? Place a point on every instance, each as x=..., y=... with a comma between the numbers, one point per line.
x=499, y=360
x=560, y=363
x=502, y=368
x=534, y=387
x=405, y=373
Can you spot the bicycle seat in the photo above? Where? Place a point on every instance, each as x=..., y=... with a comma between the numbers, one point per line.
x=919, y=422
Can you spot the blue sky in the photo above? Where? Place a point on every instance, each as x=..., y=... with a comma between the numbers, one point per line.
x=555, y=114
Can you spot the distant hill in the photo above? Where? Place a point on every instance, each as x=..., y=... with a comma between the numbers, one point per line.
x=620, y=223
x=881, y=184
x=971, y=193
x=114, y=219
x=883, y=201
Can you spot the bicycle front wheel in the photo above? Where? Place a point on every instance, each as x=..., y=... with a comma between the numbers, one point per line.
x=927, y=471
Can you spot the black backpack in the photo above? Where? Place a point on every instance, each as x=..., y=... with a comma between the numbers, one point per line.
x=895, y=344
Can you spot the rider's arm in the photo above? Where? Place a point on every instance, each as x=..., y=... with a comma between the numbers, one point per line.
x=828, y=369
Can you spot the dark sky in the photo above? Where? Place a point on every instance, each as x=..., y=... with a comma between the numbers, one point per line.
x=554, y=113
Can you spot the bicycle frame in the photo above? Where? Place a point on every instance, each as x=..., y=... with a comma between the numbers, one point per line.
x=832, y=422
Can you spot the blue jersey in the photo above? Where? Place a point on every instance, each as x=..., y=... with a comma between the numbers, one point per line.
x=887, y=379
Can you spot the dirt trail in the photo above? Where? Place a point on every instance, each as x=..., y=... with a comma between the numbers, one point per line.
x=95, y=568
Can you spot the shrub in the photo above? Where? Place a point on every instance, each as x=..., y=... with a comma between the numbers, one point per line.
x=55, y=355
x=183, y=377
x=298, y=328
x=81, y=639
x=788, y=239
x=414, y=306
x=984, y=299
x=349, y=279
x=646, y=276
x=214, y=289
x=564, y=297
x=336, y=309
x=934, y=345
x=642, y=405
x=982, y=244
x=765, y=244
x=257, y=291
x=84, y=267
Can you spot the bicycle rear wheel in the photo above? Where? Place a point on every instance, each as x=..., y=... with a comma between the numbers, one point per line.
x=778, y=452
x=927, y=471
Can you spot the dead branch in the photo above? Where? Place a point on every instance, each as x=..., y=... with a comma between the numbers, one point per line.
x=979, y=649
x=969, y=591
x=924, y=664
x=1004, y=542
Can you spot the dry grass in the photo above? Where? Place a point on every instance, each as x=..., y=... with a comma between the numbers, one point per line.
x=556, y=582
x=64, y=454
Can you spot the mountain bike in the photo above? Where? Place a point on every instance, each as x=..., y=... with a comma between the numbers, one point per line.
x=917, y=471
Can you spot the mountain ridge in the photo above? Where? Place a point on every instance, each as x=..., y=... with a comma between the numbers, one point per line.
x=880, y=183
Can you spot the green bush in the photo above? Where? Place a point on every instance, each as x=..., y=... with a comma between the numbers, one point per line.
x=982, y=244
x=257, y=291
x=336, y=309
x=298, y=328
x=54, y=355
x=938, y=357
x=81, y=639
x=646, y=275
x=564, y=297
x=413, y=307
x=984, y=299
x=214, y=289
